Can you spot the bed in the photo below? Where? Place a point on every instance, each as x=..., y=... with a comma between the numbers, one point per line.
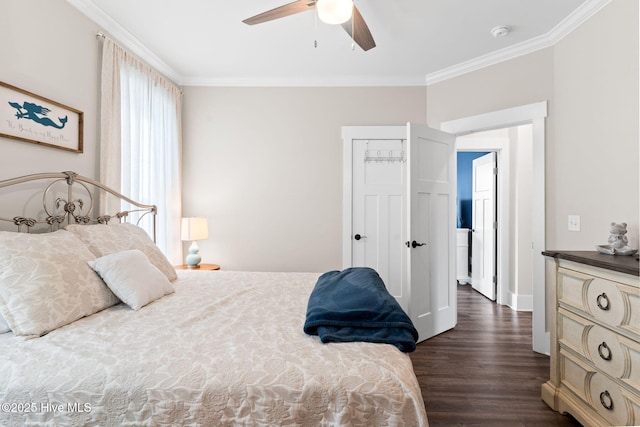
x=215, y=348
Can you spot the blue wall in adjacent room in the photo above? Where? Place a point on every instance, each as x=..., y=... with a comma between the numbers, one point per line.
x=465, y=181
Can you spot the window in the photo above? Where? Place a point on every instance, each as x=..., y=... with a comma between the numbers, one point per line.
x=141, y=141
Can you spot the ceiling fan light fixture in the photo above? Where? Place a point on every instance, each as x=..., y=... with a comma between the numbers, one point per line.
x=334, y=11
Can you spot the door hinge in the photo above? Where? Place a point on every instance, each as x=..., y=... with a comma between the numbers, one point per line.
x=495, y=280
x=495, y=171
x=495, y=225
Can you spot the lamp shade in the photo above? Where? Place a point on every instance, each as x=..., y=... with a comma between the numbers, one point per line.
x=195, y=229
x=334, y=11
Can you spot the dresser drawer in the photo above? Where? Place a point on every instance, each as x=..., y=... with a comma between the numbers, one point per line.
x=613, y=354
x=612, y=403
x=600, y=346
x=604, y=396
x=612, y=303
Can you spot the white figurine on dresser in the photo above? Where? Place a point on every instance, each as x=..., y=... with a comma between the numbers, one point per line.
x=618, y=242
x=595, y=337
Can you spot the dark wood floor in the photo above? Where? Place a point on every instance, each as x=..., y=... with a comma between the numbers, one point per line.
x=483, y=372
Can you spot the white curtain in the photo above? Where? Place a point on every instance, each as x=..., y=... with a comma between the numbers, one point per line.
x=140, y=141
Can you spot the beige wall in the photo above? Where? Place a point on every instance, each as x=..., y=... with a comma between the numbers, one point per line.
x=49, y=48
x=596, y=92
x=520, y=81
x=265, y=166
x=590, y=79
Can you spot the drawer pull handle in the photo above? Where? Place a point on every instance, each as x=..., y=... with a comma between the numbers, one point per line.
x=602, y=348
x=606, y=400
x=603, y=297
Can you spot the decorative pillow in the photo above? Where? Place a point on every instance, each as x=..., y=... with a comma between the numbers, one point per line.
x=45, y=282
x=107, y=239
x=4, y=327
x=131, y=276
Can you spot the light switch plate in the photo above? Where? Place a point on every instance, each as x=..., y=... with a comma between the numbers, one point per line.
x=574, y=222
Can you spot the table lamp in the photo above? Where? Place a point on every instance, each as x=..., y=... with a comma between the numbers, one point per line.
x=194, y=229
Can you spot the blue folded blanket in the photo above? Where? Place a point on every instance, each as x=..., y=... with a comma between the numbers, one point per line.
x=354, y=305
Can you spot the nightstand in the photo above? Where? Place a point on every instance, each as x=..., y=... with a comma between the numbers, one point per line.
x=200, y=267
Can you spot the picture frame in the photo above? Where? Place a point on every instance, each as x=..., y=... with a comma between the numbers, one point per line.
x=28, y=117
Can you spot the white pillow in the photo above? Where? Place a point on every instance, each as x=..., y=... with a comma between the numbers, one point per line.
x=4, y=327
x=131, y=276
x=104, y=239
x=45, y=282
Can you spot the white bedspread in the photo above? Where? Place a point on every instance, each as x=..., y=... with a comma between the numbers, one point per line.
x=227, y=348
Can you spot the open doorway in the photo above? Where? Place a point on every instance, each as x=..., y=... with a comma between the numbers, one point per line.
x=501, y=243
x=533, y=115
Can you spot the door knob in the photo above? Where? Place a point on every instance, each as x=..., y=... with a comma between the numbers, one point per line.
x=414, y=244
x=358, y=237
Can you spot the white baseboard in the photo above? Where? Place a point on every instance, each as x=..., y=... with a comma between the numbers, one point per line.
x=520, y=302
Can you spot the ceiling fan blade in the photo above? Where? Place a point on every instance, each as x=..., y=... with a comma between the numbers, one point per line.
x=358, y=30
x=282, y=11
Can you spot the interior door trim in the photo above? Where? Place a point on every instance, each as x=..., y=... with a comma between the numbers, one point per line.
x=534, y=114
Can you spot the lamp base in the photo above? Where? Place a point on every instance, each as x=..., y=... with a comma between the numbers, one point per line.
x=193, y=258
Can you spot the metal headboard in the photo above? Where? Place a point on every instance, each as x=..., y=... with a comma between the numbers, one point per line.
x=76, y=205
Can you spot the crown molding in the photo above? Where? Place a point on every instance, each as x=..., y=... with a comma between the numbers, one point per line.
x=565, y=27
x=308, y=81
x=128, y=40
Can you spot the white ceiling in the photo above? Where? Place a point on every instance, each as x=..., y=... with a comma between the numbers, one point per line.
x=204, y=42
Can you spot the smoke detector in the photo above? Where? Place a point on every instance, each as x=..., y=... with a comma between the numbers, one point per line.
x=500, y=31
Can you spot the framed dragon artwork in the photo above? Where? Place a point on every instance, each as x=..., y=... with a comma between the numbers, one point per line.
x=28, y=117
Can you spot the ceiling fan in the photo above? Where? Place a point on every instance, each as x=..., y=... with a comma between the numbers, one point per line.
x=331, y=11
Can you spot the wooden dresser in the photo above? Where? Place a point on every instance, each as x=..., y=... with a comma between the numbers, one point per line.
x=594, y=322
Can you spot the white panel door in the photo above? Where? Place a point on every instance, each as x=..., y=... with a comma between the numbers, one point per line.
x=390, y=204
x=379, y=216
x=483, y=244
x=431, y=235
